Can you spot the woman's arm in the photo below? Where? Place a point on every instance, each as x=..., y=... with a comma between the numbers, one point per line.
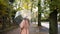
x=22, y=24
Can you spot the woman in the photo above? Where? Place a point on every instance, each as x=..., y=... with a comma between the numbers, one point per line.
x=24, y=26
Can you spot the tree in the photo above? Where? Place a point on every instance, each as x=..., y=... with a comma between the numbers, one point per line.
x=53, y=22
x=5, y=9
x=53, y=17
x=39, y=13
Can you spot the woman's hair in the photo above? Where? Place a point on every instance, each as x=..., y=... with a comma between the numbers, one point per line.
x=27, y=20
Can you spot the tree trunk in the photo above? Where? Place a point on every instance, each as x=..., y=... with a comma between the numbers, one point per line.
x=39, y=13
x=53, y=23
x=4, y=22
x=39, y=20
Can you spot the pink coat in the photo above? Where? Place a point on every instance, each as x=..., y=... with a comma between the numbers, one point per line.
x=25, y=25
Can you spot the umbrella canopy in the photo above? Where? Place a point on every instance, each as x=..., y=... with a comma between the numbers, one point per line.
x=18, y=18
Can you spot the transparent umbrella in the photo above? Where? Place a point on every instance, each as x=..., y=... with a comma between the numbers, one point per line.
x=18, y=18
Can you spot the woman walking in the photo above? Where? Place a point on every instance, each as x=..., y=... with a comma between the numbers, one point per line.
x=24, y=26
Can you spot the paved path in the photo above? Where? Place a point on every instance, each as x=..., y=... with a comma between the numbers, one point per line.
x=46, y=24
x=33, y=30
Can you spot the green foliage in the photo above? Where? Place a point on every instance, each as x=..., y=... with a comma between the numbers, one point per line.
x=18, y=9
x=5, y=11
x=55, y=3
x=11, y=1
